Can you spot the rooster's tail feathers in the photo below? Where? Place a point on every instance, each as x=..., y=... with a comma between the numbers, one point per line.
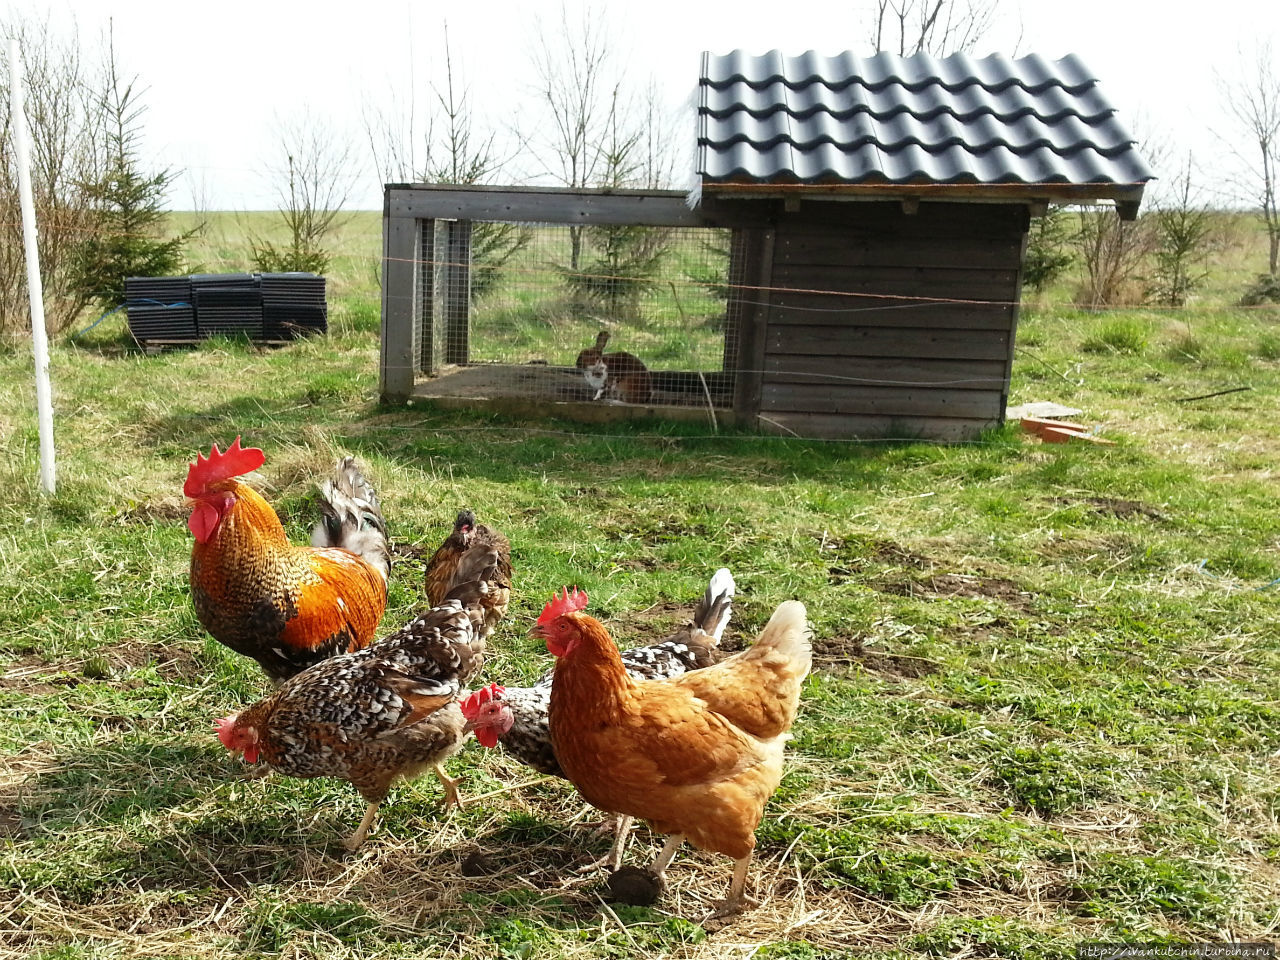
x=716, y=606
x=351, y=517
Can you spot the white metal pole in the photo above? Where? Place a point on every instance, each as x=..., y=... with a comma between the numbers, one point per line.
x=35, y=289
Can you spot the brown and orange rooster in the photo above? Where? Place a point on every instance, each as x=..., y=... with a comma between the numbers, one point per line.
x=369, y=717
x=472, y=566
x=697, y=756
x=286, y=606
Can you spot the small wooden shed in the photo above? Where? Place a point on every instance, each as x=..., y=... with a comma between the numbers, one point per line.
x=879, y=210
x=897, y=193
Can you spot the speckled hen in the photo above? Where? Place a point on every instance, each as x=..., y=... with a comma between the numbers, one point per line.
x=372, y=716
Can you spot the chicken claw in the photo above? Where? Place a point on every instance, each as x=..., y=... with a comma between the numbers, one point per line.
x=353, y=842
x=451, y=798
x=737, y=901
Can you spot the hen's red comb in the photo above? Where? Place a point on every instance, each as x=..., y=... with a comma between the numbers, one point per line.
x=236, y=462
x=224, y=727
x=471, y=705
x=565, y=603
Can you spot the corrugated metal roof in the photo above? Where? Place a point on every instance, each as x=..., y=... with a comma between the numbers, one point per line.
x=906, y=120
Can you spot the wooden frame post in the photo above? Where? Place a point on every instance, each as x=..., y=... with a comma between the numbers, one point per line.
x=399, y=294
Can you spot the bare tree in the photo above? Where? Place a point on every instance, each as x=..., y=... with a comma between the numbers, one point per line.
x=659, y=161
x=455, y=149
x=576, y=88
x=1254, y=102
x=313, y=187
x=939, y=27
x=61, y=105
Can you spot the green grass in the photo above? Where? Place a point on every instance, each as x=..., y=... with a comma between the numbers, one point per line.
x=1036, y=718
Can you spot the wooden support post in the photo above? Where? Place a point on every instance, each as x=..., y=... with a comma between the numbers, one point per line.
x=399, y=270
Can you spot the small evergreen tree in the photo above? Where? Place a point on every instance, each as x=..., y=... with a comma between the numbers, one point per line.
x=316, y=184
x=127, y=201
x=1048, y=255
x=1183, y=232
x=626, y=258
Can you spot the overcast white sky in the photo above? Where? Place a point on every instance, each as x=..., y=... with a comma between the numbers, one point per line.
x=218, y=75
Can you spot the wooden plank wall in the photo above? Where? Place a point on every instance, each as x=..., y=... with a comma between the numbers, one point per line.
x=855, y=344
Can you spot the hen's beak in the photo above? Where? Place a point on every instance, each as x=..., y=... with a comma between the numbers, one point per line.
x=537, y=630
x=468, y=727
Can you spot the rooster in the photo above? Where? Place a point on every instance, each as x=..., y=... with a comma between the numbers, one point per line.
x=517, y=716
x=473, y=566
x=369, y=717
x=697, y=756
x=286, y=606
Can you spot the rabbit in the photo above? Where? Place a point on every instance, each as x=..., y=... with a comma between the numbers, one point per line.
x=618, y=375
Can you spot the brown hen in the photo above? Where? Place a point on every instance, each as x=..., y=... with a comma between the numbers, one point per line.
x=472, y=566
x=697, y=756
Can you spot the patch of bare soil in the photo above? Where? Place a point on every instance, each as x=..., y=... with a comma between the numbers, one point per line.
x=10, y=822
x=956, y=585
x=832, y=653
x=30, y=675
x=172, y=662
x=665, y=613
x=1123, y=509
x=855, y=557
x=410, y=551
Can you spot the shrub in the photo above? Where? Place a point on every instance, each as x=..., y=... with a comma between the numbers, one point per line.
x=1264, y=289
x=1116, y=335
x=1047, y=255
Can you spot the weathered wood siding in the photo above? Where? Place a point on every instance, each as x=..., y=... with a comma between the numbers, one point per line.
x=864, y=333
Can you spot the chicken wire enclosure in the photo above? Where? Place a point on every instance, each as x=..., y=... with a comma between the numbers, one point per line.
x=507, y=309
x=508, y=288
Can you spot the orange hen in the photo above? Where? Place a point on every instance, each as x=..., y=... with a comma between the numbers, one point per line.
x=284, y=605
x=697, y=756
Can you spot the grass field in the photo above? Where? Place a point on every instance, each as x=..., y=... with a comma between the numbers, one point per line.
x=1044, y=708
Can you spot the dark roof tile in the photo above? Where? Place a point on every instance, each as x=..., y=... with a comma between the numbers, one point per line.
x=891, y=119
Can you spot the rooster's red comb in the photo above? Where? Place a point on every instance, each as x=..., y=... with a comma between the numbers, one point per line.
x=567, y=602
x=236, y=462
x=471, y=705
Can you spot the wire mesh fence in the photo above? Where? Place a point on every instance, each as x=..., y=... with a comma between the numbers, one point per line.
x=606, y=313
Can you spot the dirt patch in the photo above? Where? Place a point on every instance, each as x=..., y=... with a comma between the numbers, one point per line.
x=854, y=557
x=170, y=661
x=11, y=823
x=410, y=551
x=837, y=652
x=956, y=585
x=639, y=563
x=1073, y=548
x=1109, y=506
x=668, y=612
x=30, y=675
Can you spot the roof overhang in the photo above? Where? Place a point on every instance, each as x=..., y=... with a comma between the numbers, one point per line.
x=1126, y=196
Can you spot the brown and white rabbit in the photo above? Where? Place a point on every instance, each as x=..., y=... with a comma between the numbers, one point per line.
x=618, y=375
